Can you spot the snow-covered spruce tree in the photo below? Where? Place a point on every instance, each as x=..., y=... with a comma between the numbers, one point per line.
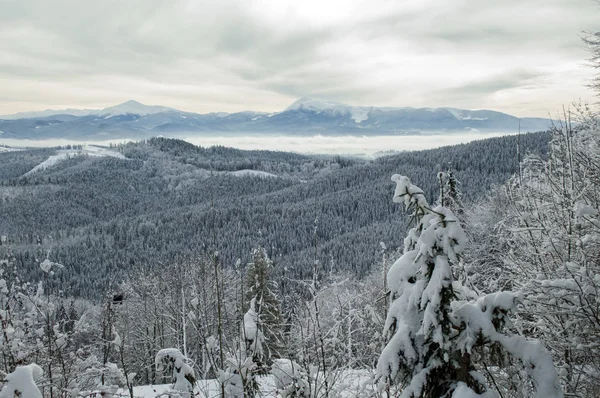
x=263, y=290
x=432, y=332
x=450, y=194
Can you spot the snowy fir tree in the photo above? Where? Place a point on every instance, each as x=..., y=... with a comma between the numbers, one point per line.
x=433, y=325
x=450, y=193
x=263, y=291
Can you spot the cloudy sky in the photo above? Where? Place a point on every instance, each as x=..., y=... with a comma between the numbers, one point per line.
x=523, y=57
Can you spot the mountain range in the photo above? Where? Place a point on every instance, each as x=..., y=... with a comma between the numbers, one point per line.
x=304, y=117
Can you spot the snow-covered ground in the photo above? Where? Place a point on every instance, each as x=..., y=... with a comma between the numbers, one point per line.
x=251, y=173
x=203, y=389
x=64, y=154
x=347, y=383
x=9, y=149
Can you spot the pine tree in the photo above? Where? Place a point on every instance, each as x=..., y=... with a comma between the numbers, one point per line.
x=450, y=193
x=61, y=316
x=263, y=290
x=72, y=318
x=432, y=333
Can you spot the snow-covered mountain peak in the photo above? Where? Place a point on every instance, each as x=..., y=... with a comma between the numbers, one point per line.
x=462, y=114
x=357, y=113
x=311, y=104
x=133, y=107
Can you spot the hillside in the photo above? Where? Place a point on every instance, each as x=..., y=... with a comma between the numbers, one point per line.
x=170, y=201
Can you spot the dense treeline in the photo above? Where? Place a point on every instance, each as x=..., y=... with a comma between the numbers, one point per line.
x=172, y=201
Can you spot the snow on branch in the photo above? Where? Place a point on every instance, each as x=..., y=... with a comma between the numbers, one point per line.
x=183, y=373
x=432, y=326
x=21, y=382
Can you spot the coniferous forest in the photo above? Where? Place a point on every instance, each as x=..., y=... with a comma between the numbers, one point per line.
x=470, y=273
x=157, y=268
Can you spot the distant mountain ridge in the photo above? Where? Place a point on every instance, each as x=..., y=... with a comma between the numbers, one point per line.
x=130, y=106
x=306, y=116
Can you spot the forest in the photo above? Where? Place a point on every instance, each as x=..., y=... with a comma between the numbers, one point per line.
x=474, y=271
x=171, y=202
x=155, y=268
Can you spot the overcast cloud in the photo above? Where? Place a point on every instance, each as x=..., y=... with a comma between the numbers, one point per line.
x=521, y=57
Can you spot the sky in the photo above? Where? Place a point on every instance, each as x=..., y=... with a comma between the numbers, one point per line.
x=523, y=57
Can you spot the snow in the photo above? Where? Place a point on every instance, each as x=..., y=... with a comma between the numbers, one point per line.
x=462, y=116
x=582, y=209
x=252, y=333
x=22, y=379
x=413, y=317
x=132, y=107
x=251, y=173
x=406, y=191
x=182, y=371
x=202, y=389
x=478, y=316
x=431, y=299
x=64, y=154
x=49, y=112
x=194, y=302
x=349, y=383
x=46, y=265
x=318, y=106
x=418, y=282
x=361, y=113
x=51, y=161
x=357, y=113
x=463, y=391
x=117, y=341
x=288, y=375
